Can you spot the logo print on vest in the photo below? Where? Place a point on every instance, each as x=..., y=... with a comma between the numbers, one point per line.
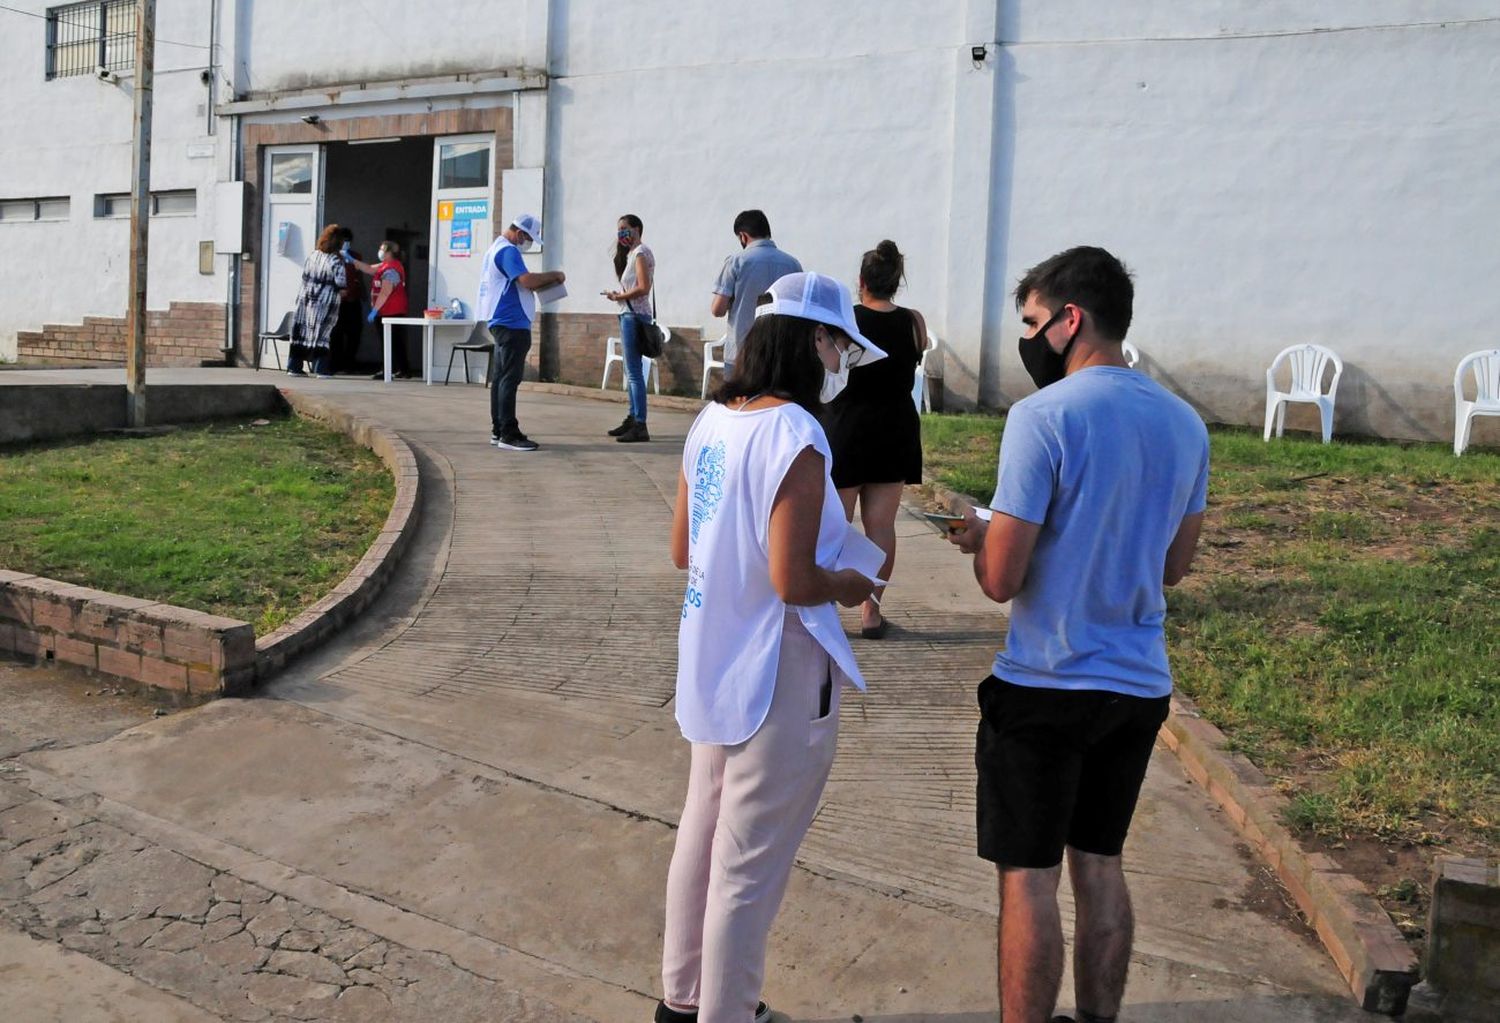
x=708, y=485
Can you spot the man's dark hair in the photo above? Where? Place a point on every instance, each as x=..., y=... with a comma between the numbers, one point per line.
x=753, y=223
x=1089, y=277
x=778, y=357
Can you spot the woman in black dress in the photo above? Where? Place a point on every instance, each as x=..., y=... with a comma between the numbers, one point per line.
x=873, y=427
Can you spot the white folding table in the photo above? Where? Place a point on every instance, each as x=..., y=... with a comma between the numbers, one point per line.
x=429, y=328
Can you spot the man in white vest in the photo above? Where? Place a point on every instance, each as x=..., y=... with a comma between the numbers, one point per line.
x=507, y=303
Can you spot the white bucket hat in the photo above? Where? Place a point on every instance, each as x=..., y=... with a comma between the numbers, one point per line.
x=531, y=224
x=822, y=299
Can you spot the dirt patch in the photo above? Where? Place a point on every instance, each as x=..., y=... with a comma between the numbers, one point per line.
x=1265, y=896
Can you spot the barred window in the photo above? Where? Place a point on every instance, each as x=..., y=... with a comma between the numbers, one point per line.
x=83, y=38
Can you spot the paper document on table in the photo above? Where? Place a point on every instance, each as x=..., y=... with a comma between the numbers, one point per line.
x=861, y=554
x=550, y=294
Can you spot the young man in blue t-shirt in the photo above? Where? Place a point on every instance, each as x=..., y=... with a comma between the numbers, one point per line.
x=1102, y=485
x=507, y=304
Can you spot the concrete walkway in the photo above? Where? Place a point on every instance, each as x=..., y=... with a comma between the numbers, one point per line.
x=484, y=774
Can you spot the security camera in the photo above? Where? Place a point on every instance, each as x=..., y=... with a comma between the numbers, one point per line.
x=310, y=118
x=104, y=74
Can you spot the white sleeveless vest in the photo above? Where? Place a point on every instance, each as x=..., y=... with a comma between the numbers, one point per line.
x=493, y=285
x=729, y=639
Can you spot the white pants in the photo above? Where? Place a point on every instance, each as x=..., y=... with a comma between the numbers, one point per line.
x=747, y=808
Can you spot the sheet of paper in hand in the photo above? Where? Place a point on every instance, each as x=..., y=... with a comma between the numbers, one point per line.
x=861, y=554
x=548, y=295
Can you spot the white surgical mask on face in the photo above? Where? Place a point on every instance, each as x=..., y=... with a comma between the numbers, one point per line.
x=834, y=381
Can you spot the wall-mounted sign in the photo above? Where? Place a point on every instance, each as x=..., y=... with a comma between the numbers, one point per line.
x=461, y=234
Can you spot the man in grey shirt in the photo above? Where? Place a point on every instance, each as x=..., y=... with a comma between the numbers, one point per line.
x=746, y=275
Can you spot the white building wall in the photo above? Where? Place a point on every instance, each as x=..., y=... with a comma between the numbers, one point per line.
x=1273, y=173
x=837, y=127
x=71, y=136
x=293, y=44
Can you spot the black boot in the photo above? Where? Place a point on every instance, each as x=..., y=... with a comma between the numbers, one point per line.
x=635, y=435
x=624, y=426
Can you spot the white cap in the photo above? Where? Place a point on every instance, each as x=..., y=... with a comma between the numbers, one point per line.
x=529, y=223
x=822, y=299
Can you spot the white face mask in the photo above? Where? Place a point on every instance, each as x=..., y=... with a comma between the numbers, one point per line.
x=834, y=381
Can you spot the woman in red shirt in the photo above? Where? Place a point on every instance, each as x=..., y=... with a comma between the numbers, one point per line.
x=388, y=298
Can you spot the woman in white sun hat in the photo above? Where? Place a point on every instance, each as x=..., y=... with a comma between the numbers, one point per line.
x=761, y=653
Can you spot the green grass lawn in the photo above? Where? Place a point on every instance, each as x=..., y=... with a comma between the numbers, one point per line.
x=253, y=522
x=1340, y=623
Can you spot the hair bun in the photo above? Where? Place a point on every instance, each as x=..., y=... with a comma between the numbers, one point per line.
x=887, y=250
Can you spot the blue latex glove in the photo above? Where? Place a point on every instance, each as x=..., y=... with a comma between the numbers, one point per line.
x=370, y=317
x=344, y=248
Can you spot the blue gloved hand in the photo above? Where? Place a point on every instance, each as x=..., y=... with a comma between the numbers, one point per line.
x=344, y=248
x=370, y=317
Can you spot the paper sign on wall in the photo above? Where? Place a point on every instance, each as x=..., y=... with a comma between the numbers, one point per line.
x=461, y=234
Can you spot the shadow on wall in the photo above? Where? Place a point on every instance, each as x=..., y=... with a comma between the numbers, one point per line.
x=1365, y=405
x=1002, y=173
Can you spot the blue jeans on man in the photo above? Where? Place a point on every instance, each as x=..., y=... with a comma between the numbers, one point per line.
x=635, y=366
x=511, y=346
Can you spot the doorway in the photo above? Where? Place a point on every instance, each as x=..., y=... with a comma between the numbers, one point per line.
x=382, y=189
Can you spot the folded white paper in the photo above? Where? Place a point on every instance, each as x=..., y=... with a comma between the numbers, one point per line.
x=983, y=514
x=550, y=294
x=861, y=554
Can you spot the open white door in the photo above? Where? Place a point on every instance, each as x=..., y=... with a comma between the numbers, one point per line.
x=463, y=175
x=463, y=190
x=292, y=216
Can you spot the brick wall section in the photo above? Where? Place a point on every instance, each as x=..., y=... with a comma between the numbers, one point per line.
x=496, y=120
x=185, y=334
x=572, y=352
x=186, y=654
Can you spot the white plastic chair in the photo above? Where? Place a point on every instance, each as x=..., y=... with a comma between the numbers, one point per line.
x=921, y=388
x=1308, y=363
x=613, y=354
x=1132, y=353
x=710, y=363
x=1485, y=367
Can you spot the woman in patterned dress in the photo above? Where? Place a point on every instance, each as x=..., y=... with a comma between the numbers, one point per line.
x=323, y=278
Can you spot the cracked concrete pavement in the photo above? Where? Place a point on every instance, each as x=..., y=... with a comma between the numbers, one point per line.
x=463, y=808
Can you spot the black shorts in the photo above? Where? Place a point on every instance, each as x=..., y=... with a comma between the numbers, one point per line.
x=1059, y=767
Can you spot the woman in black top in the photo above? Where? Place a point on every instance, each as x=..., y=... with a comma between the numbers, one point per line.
x=873, y=427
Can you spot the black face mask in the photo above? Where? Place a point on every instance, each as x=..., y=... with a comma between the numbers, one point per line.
x=1045, y=365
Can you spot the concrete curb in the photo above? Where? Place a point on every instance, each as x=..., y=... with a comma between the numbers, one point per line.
x=1369, y=952
x=364, y=583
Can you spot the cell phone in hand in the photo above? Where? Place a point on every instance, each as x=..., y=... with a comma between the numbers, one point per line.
x=950, y=523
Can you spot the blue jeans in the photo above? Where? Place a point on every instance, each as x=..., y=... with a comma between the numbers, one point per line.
x=511, y=346
x=635, y=376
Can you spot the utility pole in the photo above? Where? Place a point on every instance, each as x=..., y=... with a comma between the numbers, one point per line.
x=140, y=213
